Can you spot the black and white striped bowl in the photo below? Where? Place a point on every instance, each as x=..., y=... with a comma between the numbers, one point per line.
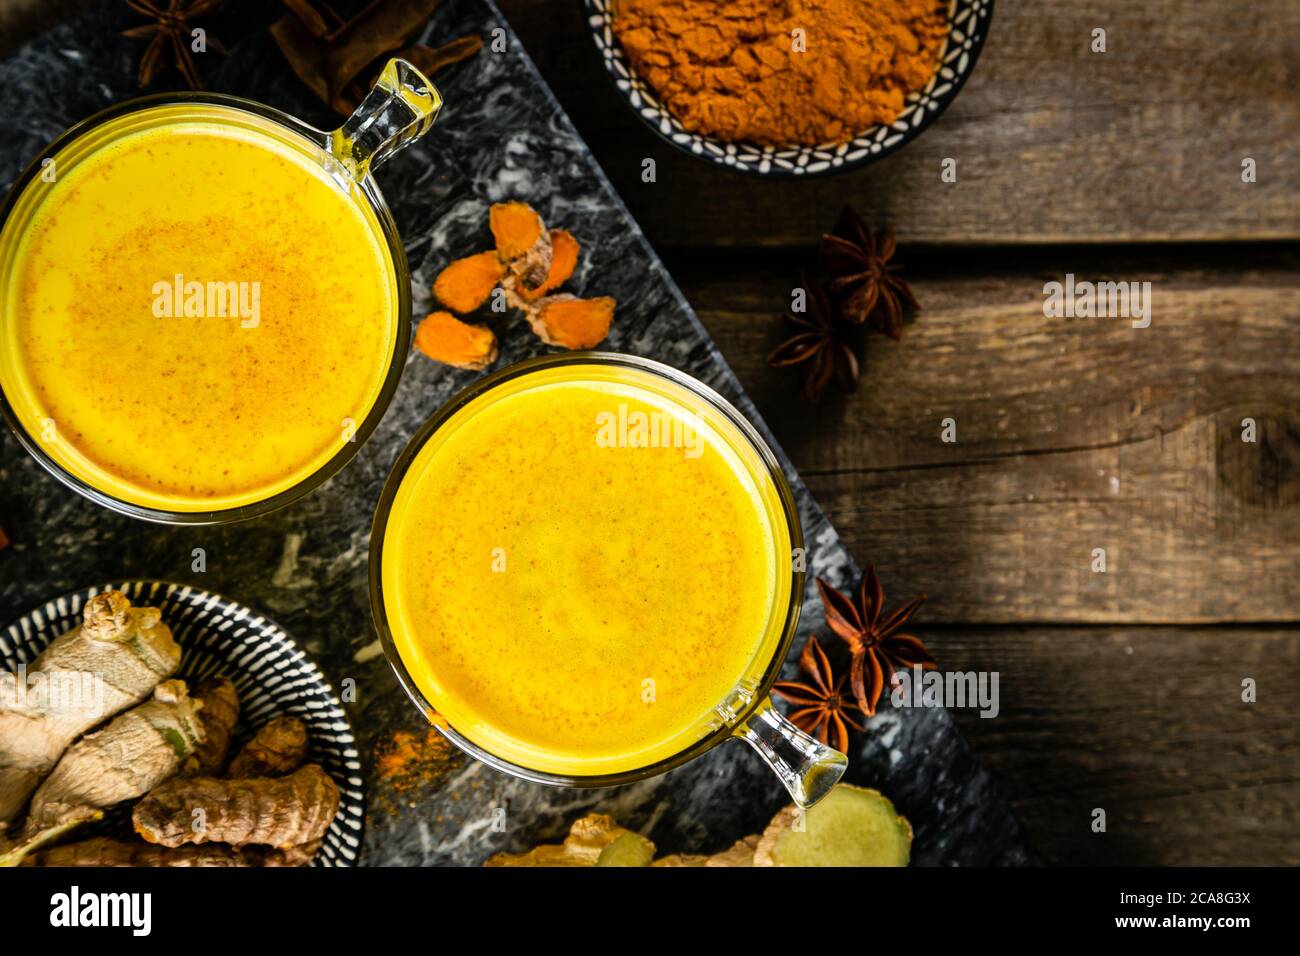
x=273, y=675
x=968, y=25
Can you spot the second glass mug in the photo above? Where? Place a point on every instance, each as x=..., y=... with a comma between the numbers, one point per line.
x=807, y=768
x=398, y=110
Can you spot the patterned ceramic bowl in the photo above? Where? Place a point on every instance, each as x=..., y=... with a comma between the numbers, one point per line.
x=968, y=22
x=273, y=675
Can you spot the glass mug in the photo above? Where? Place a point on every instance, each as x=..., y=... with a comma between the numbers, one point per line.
x=514, y=519
x=184, y=404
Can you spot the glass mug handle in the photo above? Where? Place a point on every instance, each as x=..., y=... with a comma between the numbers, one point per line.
x=397, y=111
x=807, y=768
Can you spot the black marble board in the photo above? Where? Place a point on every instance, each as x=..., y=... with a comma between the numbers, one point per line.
x=501, y=135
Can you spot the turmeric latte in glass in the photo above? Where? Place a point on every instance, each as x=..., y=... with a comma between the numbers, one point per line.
x=583, y=567
x=203, y=306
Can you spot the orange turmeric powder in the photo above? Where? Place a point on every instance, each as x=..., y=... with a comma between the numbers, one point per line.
x=782, y=72
x=413, y=761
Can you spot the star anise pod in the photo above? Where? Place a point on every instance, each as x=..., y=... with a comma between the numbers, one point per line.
x=874, y=638
x=169, y=31
x=863, y=279
x=820, y=344
x=821, y=708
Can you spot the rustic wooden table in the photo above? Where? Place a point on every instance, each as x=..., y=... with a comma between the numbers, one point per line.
x=1122, y=690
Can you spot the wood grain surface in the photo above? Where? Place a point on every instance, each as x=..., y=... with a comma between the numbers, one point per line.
x=1071, y=435
x=1147, y=724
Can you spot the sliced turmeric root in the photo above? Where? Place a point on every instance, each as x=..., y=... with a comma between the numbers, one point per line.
x=523, y=244
x=516, y=228
x=564, y=259
x=445, y=338
x=465, y=285
x=570, y=322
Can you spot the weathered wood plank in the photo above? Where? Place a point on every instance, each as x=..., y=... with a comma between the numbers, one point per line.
x=1071, y=435
x=1147, y=724
x=1053, y=143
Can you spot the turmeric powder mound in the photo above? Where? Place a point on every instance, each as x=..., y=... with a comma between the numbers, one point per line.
x=516, y=228
x=570, y=322
x=564, y=259
x=783, y=72
x=445, y=338
x=465, y=284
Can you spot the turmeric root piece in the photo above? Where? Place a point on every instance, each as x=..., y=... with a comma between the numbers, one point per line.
x=516, y=227
x=219, y=703
x=300, y=855
x=278, y=748
x=850, y=826
x=465, y=284
x=740, y=853
x=522, y=241
x=103, y=851
x=280, y=811
x=564, y=259
x=115, y=657
x=445, y=338
x=593, y=840
x=570, y=322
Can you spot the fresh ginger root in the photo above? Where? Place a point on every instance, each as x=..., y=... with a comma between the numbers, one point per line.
x=219, y=703
x=123, y=652
x=593, y=840
x=445, y=338
x=135, y=752
x=627, y=849
x=279, y=747
x=850, y=826
x=740, y=853
x=570, y=322
x=277, y=811
x=465, y=284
